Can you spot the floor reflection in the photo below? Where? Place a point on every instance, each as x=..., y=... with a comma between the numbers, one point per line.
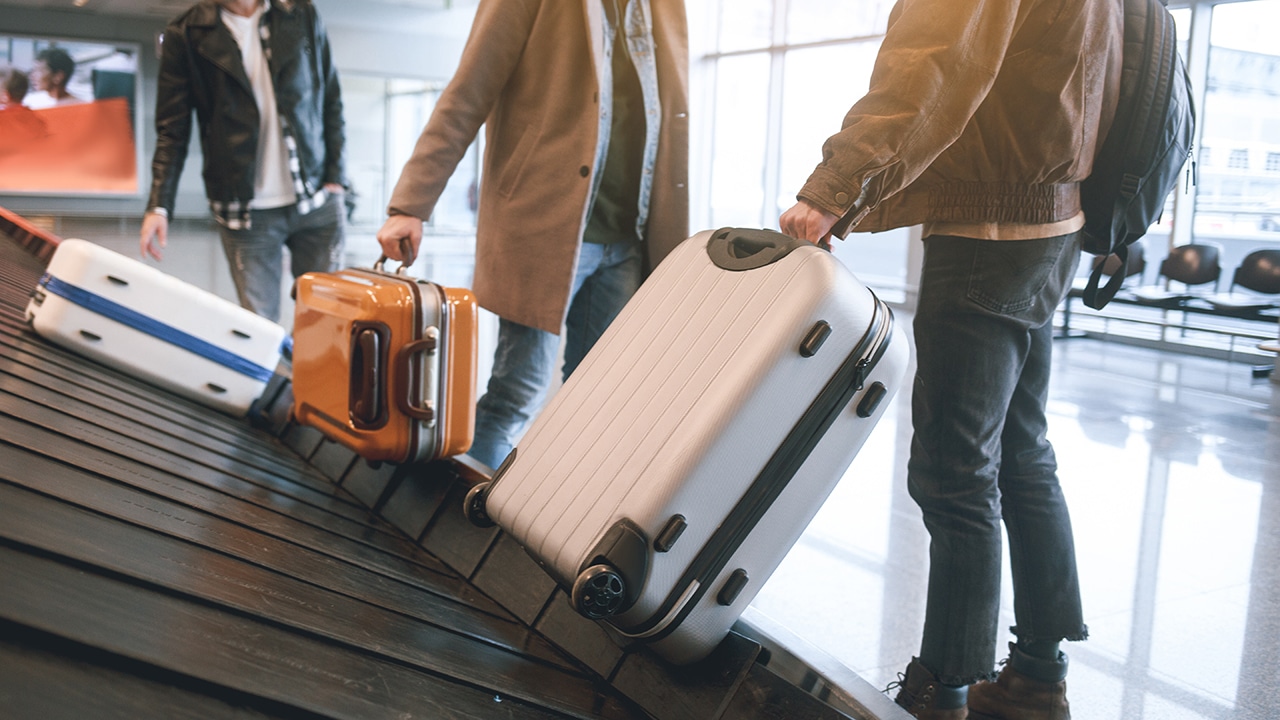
x=1171, y=465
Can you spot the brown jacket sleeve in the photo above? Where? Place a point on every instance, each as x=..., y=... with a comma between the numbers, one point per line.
x=938, y=61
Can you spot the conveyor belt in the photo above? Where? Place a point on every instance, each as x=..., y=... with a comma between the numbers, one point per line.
x=159, y=559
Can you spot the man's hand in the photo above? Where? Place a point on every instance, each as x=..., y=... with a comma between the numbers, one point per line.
x=399, y=235
x=155, y=233
x=808, y=222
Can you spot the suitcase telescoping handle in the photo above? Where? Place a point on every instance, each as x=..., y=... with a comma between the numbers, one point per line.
x=738, y=249
x=415, y=391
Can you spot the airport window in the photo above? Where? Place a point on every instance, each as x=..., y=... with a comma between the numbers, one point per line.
x=748, y=26
x=782, y=75
x=738, y=140
x=819, y=20
x=384, y=118
x=1238, y=197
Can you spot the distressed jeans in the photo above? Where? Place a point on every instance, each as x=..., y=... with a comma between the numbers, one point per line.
x=607, y=276
x=979, y=454
x=256, y=255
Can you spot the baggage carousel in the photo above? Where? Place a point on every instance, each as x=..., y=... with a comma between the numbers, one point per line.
x=161, y=559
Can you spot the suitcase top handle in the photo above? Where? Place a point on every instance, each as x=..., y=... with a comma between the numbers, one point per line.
x=406, y=252
x=738, y=249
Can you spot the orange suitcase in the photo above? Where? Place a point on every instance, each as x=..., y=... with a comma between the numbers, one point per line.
x=384, y=363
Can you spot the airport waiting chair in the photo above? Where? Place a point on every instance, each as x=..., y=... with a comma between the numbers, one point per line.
x=1259, y=277
x=1259, y=272
x=1190, y=266
x=1134, y=266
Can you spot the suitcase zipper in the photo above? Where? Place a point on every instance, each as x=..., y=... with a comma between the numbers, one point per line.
x=148, y=325
x=426, y=434
x=439, y=387
x=772, y=480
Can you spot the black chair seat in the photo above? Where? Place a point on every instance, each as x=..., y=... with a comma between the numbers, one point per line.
x=1241, y=301
x=1157, y=296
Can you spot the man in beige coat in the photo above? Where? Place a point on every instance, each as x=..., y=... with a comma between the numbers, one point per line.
x=584, y=182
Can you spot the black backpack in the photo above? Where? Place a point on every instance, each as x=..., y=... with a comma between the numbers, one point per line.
x=1148, y=144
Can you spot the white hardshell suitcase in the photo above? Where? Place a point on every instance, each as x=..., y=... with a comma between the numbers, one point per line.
x=667, y=479
x=153, y=326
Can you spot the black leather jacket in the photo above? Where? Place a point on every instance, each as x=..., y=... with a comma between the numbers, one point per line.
x=201, y=70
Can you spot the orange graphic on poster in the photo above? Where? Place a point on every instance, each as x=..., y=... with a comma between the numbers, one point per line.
x=86, y=147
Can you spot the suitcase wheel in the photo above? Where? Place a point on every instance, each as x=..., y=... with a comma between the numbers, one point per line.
x=473, y=506
x=598, y=592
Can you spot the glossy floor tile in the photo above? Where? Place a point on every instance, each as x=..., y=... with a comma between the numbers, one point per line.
x=1171, y=466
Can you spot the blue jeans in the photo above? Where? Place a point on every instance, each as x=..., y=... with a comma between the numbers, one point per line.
x=979, y=455
x=607, y=277
x=256, y=255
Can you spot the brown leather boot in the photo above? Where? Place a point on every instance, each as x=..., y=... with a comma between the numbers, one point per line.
x=926, y=698
x=1028, y=688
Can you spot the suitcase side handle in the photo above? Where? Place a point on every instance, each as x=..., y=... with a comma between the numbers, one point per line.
x=738, y=249
x=365, y=405
x=414, y=389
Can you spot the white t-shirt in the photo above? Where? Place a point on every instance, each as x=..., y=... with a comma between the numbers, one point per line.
x=273, y=183
x=39, y=100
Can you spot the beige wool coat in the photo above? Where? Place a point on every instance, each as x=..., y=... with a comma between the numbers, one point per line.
x=530, y=74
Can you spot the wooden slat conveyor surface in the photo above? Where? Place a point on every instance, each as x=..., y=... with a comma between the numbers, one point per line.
x=159, y=559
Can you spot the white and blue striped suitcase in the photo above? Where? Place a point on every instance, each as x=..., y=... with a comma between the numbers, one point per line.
x=153, y=326
x=667, y=479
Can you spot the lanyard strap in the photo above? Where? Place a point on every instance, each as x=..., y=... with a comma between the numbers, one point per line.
x=150, y=326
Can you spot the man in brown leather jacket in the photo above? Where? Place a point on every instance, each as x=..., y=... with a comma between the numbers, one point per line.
x=981, y=121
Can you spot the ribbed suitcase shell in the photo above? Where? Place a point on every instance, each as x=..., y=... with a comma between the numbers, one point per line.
x=417, y=400
x=675, y=412
x=133, y=317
